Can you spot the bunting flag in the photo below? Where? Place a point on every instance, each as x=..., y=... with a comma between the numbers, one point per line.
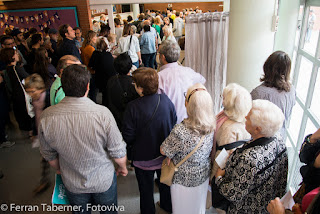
x=52, y=19
x=41, y=27
x=1, y=16
x=26, y=30
x=17, y=19
x=32, y=18
x=56, y=15
x=1, y=24
x=45, y=13
x=11, y=18
x=6, y=17
x=36, y=17
x=41, y=15
x=6, y=25
x=45, y=25
x=21, y=19
x=27, y=19
x=49, y=22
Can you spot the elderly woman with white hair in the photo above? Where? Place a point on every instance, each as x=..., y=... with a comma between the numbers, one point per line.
x=190, y=183
x=257, y=172
x=230, y=128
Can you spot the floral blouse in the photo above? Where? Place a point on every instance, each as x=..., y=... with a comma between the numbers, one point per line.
x=181, y=141
x=255, y=174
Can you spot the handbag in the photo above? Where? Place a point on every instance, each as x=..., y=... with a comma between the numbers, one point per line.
x=27, y=97
x=167, y=171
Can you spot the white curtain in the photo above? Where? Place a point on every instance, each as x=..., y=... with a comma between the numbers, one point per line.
x=206, y=50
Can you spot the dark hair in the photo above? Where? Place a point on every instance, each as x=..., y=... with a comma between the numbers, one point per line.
x=122, y=64
x=141, y=17
x=33, y=30
x=77, y=28
x=7, y=54
x=101, y=45
x=4, y=38
x=74, y=80
x=36, y=38
x=117, y=21
x=126, y=30
x=63, y=29
x=40, y=66
x=129, y=18
x=46, y=30
x=105, y=30
x=177, y=14
x=146, y=78
x=146, y=28
x=277, y=71
x=26, y=35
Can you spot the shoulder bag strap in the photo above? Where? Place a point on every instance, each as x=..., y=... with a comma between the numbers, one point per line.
x=148, y=123
x=191, y=153
x=129, y=43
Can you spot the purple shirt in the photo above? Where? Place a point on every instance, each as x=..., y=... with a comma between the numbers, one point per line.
x=174, y=81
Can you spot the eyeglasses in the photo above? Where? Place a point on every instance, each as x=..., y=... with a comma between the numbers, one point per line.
x=192, y=92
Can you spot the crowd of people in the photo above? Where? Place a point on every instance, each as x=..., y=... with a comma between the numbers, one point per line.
x=150, y=117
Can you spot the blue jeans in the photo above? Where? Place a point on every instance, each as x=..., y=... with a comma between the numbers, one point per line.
x=136, y=64
x=148, y=59
x=107, y=198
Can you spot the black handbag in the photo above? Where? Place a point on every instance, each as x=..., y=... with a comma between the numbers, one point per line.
x=218, y=200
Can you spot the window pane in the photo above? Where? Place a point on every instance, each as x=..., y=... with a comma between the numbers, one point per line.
x=304, y=78
x=310, y=128
x=295, y=122
x=290, y=151
x=312, y=34
x=299, y=24
x=315, y=98
x=297, y=178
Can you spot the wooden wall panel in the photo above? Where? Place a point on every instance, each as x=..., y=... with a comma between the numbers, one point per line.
x=83, y=8
x=204, y=6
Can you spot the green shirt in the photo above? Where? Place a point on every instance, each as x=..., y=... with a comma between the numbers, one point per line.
x=56, y=92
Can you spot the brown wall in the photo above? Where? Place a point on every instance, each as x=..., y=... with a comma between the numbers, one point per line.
x=204, y=6
x=82, y=8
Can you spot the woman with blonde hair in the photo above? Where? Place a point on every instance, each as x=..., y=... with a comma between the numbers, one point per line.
x=230, y=128
x=157, y=24
x=190, y=183
x=87, y=49
x=167, y=34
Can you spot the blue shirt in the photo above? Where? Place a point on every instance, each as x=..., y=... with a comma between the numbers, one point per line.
x=148, y=43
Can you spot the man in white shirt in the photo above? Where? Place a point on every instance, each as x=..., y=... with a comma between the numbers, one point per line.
x=178, y=26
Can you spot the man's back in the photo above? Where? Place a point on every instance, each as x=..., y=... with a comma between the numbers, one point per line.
x=68, y=47
x=86, y=137
x=174, y=81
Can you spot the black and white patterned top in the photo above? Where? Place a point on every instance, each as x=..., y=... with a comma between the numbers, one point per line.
x=181, y=141
x=254, y=175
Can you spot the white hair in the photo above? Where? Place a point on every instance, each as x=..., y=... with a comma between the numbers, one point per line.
x=201, y=117
x=237, y=102
x=267, y=116
x=168, y=30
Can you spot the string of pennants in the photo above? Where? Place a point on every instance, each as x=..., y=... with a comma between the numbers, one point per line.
x=8, y=20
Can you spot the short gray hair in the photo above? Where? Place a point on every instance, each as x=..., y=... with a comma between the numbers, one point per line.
x=170, y=50
x=267, y=116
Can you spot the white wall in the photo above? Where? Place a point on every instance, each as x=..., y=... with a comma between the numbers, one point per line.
x=250, y=40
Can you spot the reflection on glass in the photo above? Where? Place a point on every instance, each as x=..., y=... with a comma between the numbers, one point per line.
x=304, y=78
x=295, y=123
x=312, y=33
x=299, y=24
x=315, y=103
